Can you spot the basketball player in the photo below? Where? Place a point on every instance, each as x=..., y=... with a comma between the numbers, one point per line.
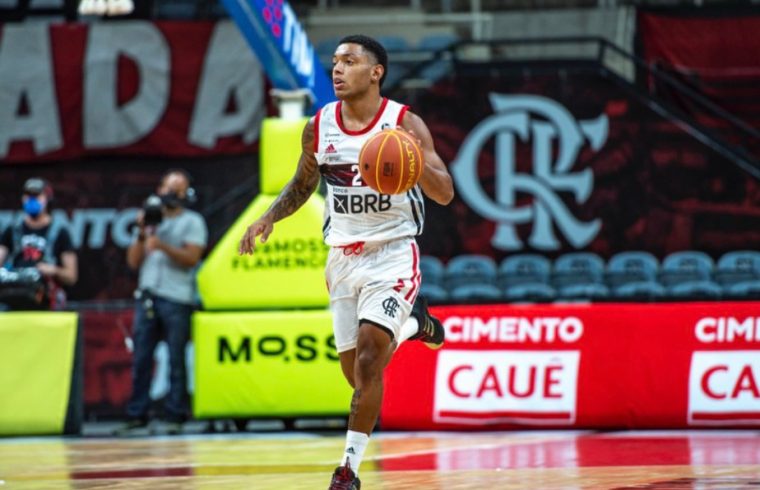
x=372, y=270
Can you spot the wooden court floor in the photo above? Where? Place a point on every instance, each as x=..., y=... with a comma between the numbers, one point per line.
x=504, y=460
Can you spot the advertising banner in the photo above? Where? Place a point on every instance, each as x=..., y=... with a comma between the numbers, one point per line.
x=603, y=366
x=37, y=352
x=128, y=88
x=288, y=271
x=267, y=364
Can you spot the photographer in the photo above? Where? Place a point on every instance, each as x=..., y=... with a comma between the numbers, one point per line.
x=165, y=254
x=39, y=256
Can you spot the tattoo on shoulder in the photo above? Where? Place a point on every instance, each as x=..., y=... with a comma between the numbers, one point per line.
x=307, y=137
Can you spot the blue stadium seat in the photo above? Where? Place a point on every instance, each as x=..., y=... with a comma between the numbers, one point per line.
x=742, y=290
x=177, y=10
x=325, y=50
x=436, y=70
x=522, y=269
x=701, y=289
x=396, y=72
x=475, y=293
x=626, y=267
x=640, y=291
x=686, y=266
x=434, y=42
x=738, y=266
x=578, y=268
x=589, y=290
x=216, y=10
x=326, y=47
x=470, y=269
x=435, y=294
x=537, y=292
x=432, y=270
x=393, y=43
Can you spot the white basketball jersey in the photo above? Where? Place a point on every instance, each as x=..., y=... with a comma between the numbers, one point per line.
x=353, y=211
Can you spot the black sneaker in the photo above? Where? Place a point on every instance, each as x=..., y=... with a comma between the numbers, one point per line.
x=430, y=328
x=344, y=478
x=169, y=428
x=131, y=425
x=173, y=424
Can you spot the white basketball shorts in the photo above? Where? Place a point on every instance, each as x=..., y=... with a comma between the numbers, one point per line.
x=377, y=285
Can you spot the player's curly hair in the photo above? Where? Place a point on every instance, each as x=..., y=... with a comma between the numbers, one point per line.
x=374, y=47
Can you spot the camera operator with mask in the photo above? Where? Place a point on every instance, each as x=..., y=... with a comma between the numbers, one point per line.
x=40, y=257
x=166, y=254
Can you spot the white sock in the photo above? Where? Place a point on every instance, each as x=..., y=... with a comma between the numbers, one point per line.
x=411, y=327
x=356, y=443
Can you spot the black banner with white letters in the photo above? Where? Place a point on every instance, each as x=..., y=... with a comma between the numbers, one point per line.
x=96, y=202
x=554, y=162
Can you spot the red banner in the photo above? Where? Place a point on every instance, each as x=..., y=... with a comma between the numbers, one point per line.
x=722, y=63
x=604, y=366
x=138, y=88
x=107, y=361
x=728, y=44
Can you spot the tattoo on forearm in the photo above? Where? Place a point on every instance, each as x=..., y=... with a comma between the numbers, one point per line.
x=295, y=194
x=354, y=406
x=302, y=185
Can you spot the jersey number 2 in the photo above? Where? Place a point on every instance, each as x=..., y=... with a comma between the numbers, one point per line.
x=357, y=182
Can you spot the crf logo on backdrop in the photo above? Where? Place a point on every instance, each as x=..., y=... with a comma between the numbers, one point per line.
x=486, y=387
x=542, y=121
x=724, y=387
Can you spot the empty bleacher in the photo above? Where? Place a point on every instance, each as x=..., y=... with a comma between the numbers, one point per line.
x=583, y=276
x=403, y=56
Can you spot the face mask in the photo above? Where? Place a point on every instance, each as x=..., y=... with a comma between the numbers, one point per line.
x=172, y=200
x=32, y=207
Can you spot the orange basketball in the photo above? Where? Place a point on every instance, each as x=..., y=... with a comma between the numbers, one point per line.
x=391, y=162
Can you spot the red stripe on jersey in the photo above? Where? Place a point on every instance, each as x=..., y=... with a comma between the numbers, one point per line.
x=401, y=115
x=339, y=119
x=412, y=293
x=316, y=130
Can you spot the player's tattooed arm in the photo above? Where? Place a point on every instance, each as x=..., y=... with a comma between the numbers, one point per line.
x=304, y=182
x=295, y=193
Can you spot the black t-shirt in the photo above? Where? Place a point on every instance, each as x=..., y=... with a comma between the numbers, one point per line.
x=33, y=244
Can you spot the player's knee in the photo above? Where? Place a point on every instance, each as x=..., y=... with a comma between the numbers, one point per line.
x=369, y=365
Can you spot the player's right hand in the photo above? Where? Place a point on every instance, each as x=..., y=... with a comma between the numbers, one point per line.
x=261, y=227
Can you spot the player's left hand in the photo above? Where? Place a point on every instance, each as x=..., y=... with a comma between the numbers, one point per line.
x=263, y=226
x=411, y=132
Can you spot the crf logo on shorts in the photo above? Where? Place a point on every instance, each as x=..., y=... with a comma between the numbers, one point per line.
x=390, y=306
x=357, y=203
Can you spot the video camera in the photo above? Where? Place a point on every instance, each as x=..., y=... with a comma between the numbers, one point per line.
x=153, y=211
x=23, y=289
